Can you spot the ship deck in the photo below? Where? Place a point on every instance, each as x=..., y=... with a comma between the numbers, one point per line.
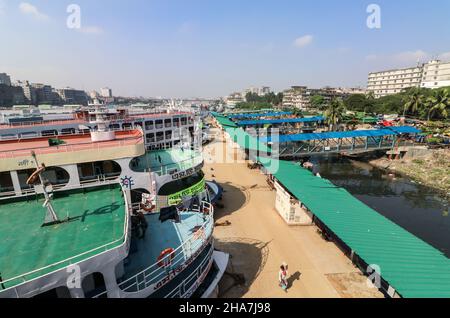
x=69, y=143
x=160, y=236
x=96, y=224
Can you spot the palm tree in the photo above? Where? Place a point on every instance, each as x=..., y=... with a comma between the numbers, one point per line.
x=439, y=101
x=413, y=101
x=334, y=113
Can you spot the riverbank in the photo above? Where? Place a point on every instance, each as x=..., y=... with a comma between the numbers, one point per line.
x=431, y=169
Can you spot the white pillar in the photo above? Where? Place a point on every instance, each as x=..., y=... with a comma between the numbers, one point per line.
x=112, y=288
x=16, y=182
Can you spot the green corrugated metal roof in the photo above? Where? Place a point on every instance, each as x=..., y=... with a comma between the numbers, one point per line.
x=245, y=141
x=224, y=121
x=413, y=267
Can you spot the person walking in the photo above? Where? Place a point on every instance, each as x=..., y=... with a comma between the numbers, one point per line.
x=282, y=277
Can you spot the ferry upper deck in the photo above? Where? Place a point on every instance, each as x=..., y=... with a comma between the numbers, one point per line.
x=94, y=221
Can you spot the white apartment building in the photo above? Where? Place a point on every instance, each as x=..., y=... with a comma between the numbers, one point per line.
x=106, y=92
x=436, y=74
x=296, y=96
x=394, y=81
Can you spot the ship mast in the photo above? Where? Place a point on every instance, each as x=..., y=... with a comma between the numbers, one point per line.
x=50, y=217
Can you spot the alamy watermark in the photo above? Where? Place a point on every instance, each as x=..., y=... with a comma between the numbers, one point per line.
x=74, y=19
x=374, y=18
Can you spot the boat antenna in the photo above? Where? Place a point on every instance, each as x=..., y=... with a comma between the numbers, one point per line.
x=50, y=217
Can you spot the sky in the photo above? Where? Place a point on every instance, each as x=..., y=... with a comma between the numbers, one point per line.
x=210, y=48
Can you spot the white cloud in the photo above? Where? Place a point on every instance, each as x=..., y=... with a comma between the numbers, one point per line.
x=94, y=30
x=303, y=41
x=411, y=57
x=29, y=9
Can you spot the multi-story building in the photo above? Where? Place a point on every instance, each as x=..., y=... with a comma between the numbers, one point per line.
x=296, y=96
x=106, y=92
x=5, y=79
x=394, y=81
x=73, y=96
x=11, y=95
x=28, y=91
x=436, y=74
x=300, y=96
x=44, y=94
x=233, y=99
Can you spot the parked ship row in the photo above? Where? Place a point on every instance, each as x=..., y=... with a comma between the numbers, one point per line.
x=107, y=204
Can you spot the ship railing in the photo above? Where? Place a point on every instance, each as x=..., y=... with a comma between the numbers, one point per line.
x=193, y=280
x=124, y=239
x=99, y=146
x=99, y=181
x=179, y=166
x=177, y=261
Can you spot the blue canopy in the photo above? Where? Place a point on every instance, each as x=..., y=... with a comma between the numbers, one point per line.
x=256, y=115
x=342, y=134
x=280, y=121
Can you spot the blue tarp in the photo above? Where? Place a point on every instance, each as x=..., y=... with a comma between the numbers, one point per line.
x=405, y=130
x=280, y=121
x=343, y=134
x=256, y=115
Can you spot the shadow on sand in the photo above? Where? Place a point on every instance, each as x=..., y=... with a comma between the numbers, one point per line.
x=248, y=258
x=234, y=198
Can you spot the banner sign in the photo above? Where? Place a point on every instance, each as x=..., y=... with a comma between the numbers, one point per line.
x=177, y=198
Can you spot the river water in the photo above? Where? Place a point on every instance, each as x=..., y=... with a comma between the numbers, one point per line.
x=417, y=208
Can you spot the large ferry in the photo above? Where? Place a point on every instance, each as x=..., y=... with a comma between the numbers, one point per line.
x=97, y=208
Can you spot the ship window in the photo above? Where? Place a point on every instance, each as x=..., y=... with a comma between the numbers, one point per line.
x=98, y=171
x=159, y=124
x=127, y=126
x=114, y=126
x=184, y=121
x=168, y=123
x=49, y=133
x=6, y=184
x=149, y=125
x=55, y=175
x=68, y=131
x=28, y=134
x=94, y=285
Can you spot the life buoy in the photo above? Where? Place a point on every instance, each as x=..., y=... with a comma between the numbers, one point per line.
x=35, y=175
x=148, y=209
x=163, y=260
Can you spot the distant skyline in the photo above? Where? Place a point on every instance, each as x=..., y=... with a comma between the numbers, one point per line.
x=210, y=48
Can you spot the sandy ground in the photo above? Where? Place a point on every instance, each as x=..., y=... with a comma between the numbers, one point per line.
x=258, y=241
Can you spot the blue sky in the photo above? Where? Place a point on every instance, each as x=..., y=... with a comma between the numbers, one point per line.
x=209, y=48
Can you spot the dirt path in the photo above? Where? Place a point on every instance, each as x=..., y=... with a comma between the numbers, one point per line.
x=259, y=241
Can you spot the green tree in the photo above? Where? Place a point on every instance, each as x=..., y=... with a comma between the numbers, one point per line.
x=413, y=101
x=335, y=113
x=437, y=103
x=317, y=101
